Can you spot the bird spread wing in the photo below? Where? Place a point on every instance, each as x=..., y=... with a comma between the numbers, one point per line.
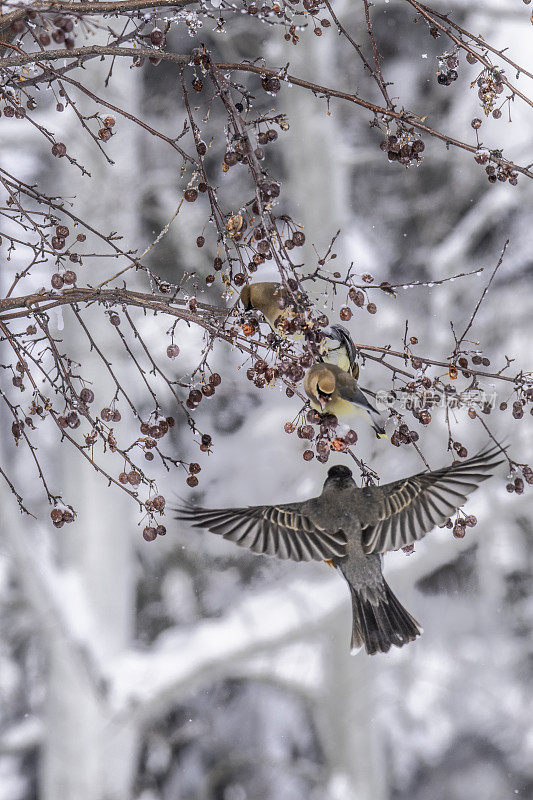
x=285, y=531
x=399, y=513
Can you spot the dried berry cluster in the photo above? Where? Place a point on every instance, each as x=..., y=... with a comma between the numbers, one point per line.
x=447, y=72
x=153, y=433
x=61, y=32
x=61, y=515
x=403, y=148
x=460, y=525
x=150, y=532
x=495, y=170
x=262, y=374
x=207, y=390
x=325, y=436
x=403, y=436
x=490, y=86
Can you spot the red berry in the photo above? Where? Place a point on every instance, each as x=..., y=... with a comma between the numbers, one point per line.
x=345, y=314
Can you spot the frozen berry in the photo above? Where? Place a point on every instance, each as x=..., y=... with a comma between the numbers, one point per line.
x=59, y=149
x=158, y=502
x=149, y=533
x=345, y=314
x=350, y=437
x=134, y=478
x=157, y=37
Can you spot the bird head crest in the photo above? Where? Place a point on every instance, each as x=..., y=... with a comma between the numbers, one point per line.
x=326, y=381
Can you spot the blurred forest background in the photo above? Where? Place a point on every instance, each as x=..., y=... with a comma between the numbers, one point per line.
x=186, y=669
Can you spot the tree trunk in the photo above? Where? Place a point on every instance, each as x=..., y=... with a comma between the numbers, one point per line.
x=87, y=757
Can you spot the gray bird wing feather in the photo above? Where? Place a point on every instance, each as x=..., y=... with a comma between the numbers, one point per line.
x=351, y=391
x=400, y=513
x=290, y=531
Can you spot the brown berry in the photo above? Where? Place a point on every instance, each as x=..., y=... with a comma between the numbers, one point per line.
x=345, y=314
x=59, y=149
x=134, y=478
x=159, y=502
x=149, y=533
x=69, y=277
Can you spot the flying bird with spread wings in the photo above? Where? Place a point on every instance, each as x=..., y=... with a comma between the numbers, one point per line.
x=352, y=527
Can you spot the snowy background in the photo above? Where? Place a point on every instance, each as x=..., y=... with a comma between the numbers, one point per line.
x=186, y=669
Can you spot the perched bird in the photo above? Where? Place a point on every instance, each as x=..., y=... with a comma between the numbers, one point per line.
x=337, y=347
x=265, y=296
x=352, y=527
x=333, y=391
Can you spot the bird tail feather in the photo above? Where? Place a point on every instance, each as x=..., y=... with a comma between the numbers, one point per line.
x=378, y=425
x=380, y=621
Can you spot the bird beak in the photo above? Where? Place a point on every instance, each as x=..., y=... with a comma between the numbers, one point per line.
x=322, y=401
